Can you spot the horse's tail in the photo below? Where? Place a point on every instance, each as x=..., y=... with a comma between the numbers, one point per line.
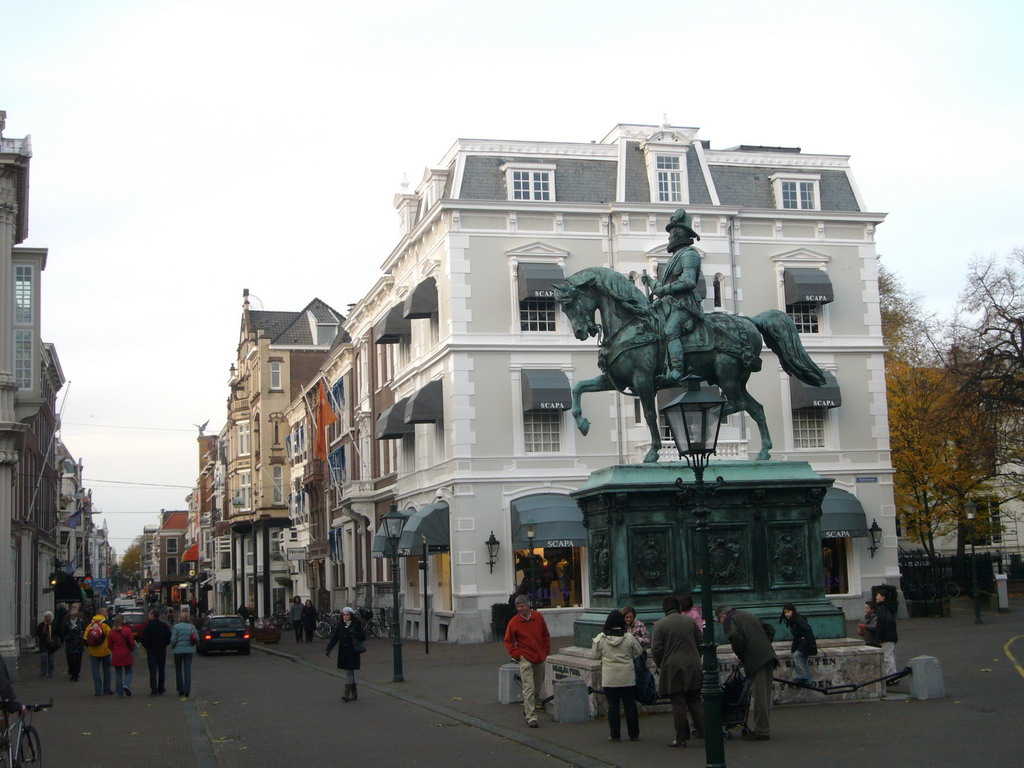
x=780, y=334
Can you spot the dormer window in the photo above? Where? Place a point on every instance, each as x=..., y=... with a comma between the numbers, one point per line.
x=325, y=334
x=669, y=178
x=796, y=191
x=530, y=181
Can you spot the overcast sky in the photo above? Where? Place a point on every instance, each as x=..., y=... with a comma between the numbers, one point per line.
x=185, y=150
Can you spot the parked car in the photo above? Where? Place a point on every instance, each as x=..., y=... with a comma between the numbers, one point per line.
x=224, y=633
x=135, y=621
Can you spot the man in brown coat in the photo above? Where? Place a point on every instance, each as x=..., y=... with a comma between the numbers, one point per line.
x=676, y=651
x=754, y=650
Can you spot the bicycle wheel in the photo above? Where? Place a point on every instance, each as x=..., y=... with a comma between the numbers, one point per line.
x=323, y=630
x=952, y=589
x=30, y=751
x=384, y=629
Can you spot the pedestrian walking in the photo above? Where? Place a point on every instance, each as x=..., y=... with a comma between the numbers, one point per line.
x=72, y=631
x=48, y=637
x=309, y=617
x=122, y=645
x=616, y=648
x=804, y=645
x=295, y=616
x=155, y=638
x=676, y=652
x=348, y=636
x=183, y=644
x=95, y=637
x=528, y=643
x=887, y=634
x=752, y=647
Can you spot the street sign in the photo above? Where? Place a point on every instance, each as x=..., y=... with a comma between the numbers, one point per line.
x=100, y=584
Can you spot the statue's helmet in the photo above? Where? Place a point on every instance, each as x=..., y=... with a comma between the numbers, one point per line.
x=684, y=221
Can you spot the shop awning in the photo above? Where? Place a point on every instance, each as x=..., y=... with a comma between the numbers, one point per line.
x=391, y=423
x=191, y=554
x=379, y=546
x=546, y=390
x=392, y=328
x=426, y=406
x=842, y=516
x=432, y=521
x=806, y=396
x=559, y=521
x=422, y=302
x=807, y=285
x=536, y=281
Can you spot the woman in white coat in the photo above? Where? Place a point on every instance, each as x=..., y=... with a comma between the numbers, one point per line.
x=616, y=648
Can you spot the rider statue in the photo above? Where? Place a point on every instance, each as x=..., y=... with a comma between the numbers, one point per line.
x=677, y=289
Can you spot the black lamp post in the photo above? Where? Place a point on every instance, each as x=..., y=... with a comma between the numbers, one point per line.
x=695, y=419
x=394, y=522
x=531, y=531
x=972, y=512
x=492, y=545
x=875, y=531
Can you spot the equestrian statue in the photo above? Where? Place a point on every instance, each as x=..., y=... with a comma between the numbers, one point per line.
x=652, y=343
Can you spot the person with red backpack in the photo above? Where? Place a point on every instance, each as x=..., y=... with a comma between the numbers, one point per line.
x=95, y=637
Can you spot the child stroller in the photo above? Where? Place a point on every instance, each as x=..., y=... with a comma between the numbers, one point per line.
x=735, y=703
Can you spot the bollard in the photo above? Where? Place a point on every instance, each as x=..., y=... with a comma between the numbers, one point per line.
x=572, y=704
x=926, y=680
x=1002, y=594
x=510, y=690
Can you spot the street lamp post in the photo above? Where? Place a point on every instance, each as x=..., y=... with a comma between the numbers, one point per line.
x=695, y=419
x=531, y=532
x=972, y=513
x=394, y=523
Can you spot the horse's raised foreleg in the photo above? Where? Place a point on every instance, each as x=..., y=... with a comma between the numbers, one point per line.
x=597, y=384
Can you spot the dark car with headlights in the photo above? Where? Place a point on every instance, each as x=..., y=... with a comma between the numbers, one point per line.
x=224, y=633
x=135, y=621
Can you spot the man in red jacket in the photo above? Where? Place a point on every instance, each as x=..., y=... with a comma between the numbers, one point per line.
x=529, y=644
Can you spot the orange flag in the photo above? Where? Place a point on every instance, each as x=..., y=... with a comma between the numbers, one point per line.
x=325, y=416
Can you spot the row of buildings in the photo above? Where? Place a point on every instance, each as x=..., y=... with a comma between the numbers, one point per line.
x=445, y=390
x=45, y=509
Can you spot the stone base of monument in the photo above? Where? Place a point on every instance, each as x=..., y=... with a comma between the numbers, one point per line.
x=840, y=662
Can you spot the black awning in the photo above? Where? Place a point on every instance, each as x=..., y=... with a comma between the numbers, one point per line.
x=392, y=328
x=546, y=390
x=391, y=423
x=558, y=521
x=842, y=516
x=430, y=521
x=426, y=406
x=422, y=302
x=536, y=281
x=807, y=285
x=806, y=396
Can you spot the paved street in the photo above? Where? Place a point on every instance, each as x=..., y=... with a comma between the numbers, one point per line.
x=281, y=706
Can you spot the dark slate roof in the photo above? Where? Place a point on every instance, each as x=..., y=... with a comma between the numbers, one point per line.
x=638, y=186
x=746, y=187
x=576, y=181
x=293, y=327
x=699, y=194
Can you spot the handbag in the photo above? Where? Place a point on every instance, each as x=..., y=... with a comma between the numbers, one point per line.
x=358, y=646
x=645, y=691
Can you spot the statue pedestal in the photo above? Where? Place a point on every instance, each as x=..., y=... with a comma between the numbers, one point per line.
x=840, y=661
x=765, y=542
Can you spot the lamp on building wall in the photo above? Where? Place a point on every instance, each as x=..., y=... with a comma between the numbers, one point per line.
x=695, y=419
x=394, y=523
x=876, y=537
x=492, y=545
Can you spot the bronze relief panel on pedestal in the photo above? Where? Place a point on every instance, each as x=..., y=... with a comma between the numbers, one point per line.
x=650, y=562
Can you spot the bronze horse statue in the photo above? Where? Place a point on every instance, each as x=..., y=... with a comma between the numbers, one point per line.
x=632, y=348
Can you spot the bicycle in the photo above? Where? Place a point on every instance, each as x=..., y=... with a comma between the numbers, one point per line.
x=278, y=620
x=19, y=743
x=326, y=624
x=374, y=626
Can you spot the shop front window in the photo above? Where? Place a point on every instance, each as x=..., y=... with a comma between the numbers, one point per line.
x=551, y=576
x=835, y=559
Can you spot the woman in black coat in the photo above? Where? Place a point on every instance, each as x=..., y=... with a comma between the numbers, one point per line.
x=309, y=617
x=804, y=644
x=344, y=636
